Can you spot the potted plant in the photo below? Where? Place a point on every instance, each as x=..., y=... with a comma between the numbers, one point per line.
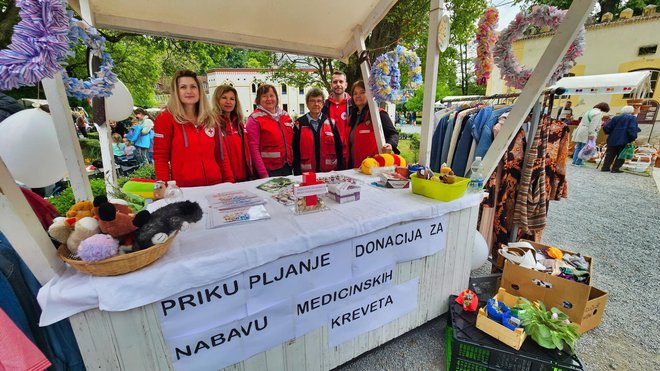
x=550, y=329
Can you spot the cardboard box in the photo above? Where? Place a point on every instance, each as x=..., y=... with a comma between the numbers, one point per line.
x=342, y=193
x=583, y=304
x=539, y=246
x=512, y=338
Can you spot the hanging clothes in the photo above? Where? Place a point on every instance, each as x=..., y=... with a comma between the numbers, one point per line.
x=557, y=157
x=17, y=352
x=18, y=292
x=503, y=190
x=530, y=213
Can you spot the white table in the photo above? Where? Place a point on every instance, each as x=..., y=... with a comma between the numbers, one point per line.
x=127, y=334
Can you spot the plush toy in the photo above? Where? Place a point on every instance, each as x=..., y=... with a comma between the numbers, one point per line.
x=120, y=205
x=113, y=222
x=98, y=247
x=80, y=210
x=70, y=232
x=158, y=226
x=83, y=229
x=61, y=228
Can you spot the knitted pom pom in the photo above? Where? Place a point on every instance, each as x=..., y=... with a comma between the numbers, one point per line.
x=98, y=247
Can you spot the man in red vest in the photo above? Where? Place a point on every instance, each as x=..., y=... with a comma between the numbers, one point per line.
x=317, y=145
x=337, y=105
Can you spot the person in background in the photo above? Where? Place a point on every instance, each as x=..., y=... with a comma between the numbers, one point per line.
x=140, y=141
x=117, y=128
x=270, y=135
x=317, y=145
x=621, y=130
x=144, y=139
x=187, y=144
x=129, y=148
x=227, y=110
x=588, y=129
x=118, y=146
x=362, y=136
x=338, y=105
x=81, y=125
x=566, y=112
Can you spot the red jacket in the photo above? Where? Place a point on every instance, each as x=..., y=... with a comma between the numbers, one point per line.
x=319, y=151
x=193, y=156
x=339, y=111
x=275, y=139
x=235, y=143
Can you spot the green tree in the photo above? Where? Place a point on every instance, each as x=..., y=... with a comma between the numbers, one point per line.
x=612, y=6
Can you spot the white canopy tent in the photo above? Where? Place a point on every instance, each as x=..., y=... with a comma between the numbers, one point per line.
x=636, y=83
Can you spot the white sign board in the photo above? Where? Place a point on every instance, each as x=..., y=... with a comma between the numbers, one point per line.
x=372, y=312
x=347, y=286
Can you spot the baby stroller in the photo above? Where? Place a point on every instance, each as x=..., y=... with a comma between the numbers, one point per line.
x=126, y=164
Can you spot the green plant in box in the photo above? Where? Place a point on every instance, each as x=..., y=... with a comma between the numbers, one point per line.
x=550, y=329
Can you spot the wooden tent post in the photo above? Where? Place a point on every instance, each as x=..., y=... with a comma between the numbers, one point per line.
x=564, y=36
x=430, y=81
x=373, y=107
x=24, y=231
x=66, y=135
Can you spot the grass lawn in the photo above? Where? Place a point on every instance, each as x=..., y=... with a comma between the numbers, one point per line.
x=406, y=152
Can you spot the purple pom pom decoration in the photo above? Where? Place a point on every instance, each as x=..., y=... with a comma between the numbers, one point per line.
x=98, y=247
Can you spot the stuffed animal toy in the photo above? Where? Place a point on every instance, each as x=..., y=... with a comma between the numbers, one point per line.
x=158, y=226
x=80, y=210
x=70, y=232
x=61, y=228
x=83, y=229
x=98, y=247
x=120, y=205
x=115, y=223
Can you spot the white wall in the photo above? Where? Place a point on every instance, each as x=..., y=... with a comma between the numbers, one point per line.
x=242, y=80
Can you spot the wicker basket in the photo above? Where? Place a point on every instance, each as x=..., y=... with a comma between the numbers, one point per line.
x=117, y=265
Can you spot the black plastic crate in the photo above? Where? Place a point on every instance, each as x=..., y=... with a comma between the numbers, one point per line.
x=470, y=349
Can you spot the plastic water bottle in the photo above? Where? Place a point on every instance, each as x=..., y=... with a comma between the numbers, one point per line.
x=173, y=193
x=476, y=176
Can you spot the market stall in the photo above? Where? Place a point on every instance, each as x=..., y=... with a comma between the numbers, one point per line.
x=117, y=319
x=418, y=250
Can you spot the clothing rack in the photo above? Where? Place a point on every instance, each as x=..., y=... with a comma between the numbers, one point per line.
x=481, y=97
x=537, y=114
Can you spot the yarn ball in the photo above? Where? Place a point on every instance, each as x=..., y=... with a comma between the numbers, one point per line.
x=98, y=247
x=367, y=164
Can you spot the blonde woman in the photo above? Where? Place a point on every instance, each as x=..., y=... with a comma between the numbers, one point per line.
x=187, y=144
x=227, y=110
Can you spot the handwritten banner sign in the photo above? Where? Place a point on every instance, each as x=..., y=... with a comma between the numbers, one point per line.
x=285, y=277
x=198, y=309
x=347, y=286
x=403, y=242
x=372, y=312
x=225, y=345
x=312, y=307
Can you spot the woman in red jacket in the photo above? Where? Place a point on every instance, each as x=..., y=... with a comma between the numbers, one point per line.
x=362, y=133
x=227, y=110
x=187, y=145
x=270, y=135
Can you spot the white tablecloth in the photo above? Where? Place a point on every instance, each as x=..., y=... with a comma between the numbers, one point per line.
x=201, y=256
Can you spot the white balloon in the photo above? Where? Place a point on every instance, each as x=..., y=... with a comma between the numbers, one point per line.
x=479, y=251
x=119, y=105
x=29, y=148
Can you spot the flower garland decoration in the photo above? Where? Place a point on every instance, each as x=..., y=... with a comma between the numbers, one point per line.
x=385, y=79
x=38, y=44
x=514, y=74
x=101, y=84
x=486, y=37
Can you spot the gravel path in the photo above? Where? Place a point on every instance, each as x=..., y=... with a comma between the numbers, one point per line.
x=615, y=218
